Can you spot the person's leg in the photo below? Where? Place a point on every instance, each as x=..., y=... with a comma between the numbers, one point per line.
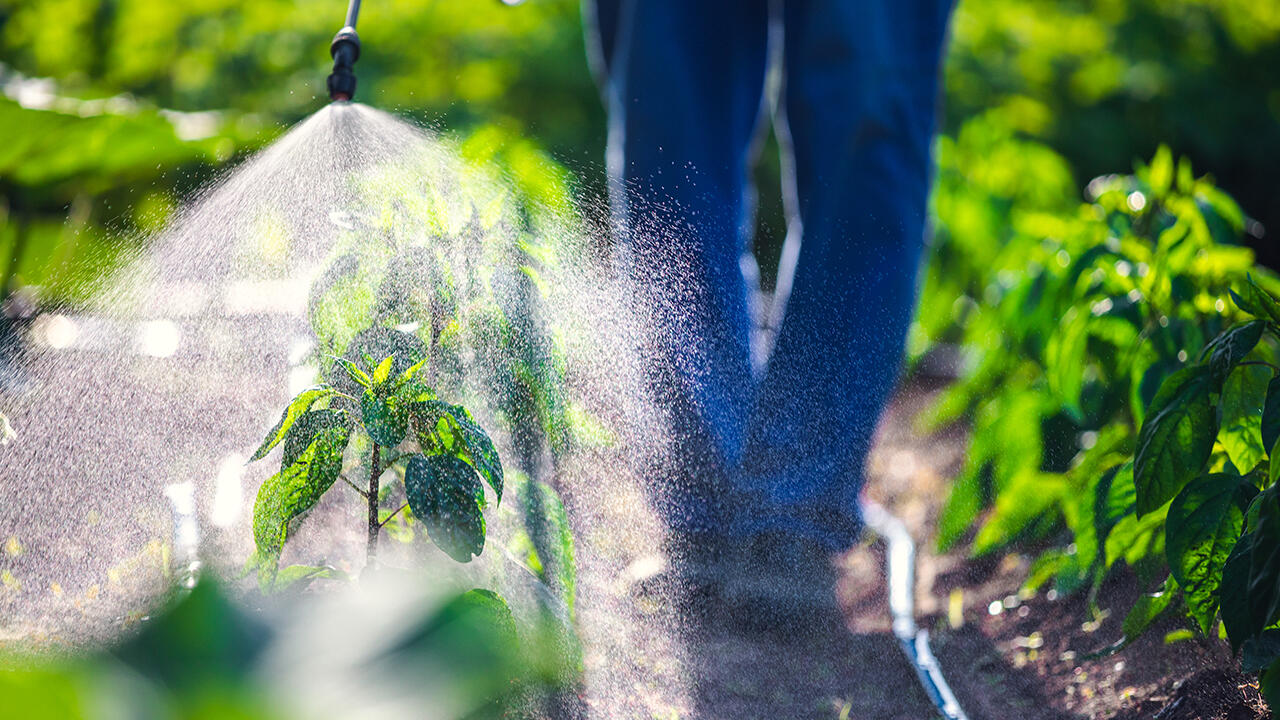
x=860, y=99
x=685, y=82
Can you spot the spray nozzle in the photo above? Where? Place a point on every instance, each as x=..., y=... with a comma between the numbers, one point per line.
x=345, y=50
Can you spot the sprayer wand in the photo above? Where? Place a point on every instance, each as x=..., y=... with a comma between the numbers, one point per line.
x=345, y=50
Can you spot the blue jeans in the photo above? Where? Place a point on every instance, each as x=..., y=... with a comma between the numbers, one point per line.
x=782, y=447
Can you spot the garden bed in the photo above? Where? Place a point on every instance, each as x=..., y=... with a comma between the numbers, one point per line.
x=1015, y=655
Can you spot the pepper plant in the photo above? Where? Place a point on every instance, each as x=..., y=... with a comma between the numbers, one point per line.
x=1121, y=379
x=376, y=390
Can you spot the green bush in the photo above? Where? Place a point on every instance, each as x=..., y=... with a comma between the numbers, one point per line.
x=1123, y=398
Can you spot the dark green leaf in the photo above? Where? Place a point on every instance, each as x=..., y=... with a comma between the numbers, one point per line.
x=1271, y=414
x=1115, y=497
x=299, y=405
x=295, y=490
x=1176, y=438
x=386, y=419
x=1243, y=395
x=1260, y=651
x=204, y=639
x=1147, y=610
x=1257, y=302
x=451, y=428
x=1202, y=526
x=445, y=494
x=1269, y=685
x=1250, y=591
x=305, y=430
x=1229, y=348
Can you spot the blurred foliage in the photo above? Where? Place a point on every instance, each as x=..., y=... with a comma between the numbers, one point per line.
x=208, y=656
x=1101, y=82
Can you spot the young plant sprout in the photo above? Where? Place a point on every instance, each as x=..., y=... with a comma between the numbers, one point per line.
x=377, y=389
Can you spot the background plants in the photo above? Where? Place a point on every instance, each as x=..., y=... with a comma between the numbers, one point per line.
x=1118, y=358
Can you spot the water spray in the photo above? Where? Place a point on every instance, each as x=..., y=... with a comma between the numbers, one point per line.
x=345, y=50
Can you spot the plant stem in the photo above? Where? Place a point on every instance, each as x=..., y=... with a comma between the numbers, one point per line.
x=374, y=525
x=353, y=486
x=387, y=519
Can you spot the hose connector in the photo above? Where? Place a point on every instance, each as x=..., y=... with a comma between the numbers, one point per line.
x=345, y=50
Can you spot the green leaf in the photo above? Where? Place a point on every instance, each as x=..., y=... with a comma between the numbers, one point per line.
x=1243, y=396
x=1202, y=526
x=297, y=406
x=358, y=376
x=964, y=502
x=386, y=419
x=1176, y=439
x=404, y=349
x=445, y=494
x=1271, y=414
x=383, y=371
x=295, y=490
x=298, y=577
x=1115, y=497
x=451, y=428
x=1269, y=686
x=1146, y=610
x=1229, y=348
x=409, y=373
x=1250, y=589
x=311, y=424
x=1028, y=496
x=548, y=526
x=1160, y=172
x=1257, y=302
x=1260, y=651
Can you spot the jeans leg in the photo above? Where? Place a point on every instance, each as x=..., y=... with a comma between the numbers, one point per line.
x=685, y=86
x=860, y=100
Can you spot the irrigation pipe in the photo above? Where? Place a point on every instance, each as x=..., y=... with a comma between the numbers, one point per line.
x=900, y=572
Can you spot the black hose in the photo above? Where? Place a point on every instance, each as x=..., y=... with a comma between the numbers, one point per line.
x=345, y=50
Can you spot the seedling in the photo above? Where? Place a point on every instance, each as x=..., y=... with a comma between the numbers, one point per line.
x=377, y=390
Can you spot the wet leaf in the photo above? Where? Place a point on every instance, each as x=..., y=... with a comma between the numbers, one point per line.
x=305, y=430
x=378, y=343
x=452, y=429
x=445, y=494
x=386, y=419
x=1229, y=348
x=299, y=405
x=295, y=490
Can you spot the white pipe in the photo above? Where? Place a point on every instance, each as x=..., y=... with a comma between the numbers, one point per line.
x=901, y=577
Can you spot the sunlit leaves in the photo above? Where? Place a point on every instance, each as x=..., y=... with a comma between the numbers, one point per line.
x=1241, y=406
x=445, y=428
x=1202, y=526
x=296, y=408
x=294, y=490
x=446, y=495
x=1176, y=438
